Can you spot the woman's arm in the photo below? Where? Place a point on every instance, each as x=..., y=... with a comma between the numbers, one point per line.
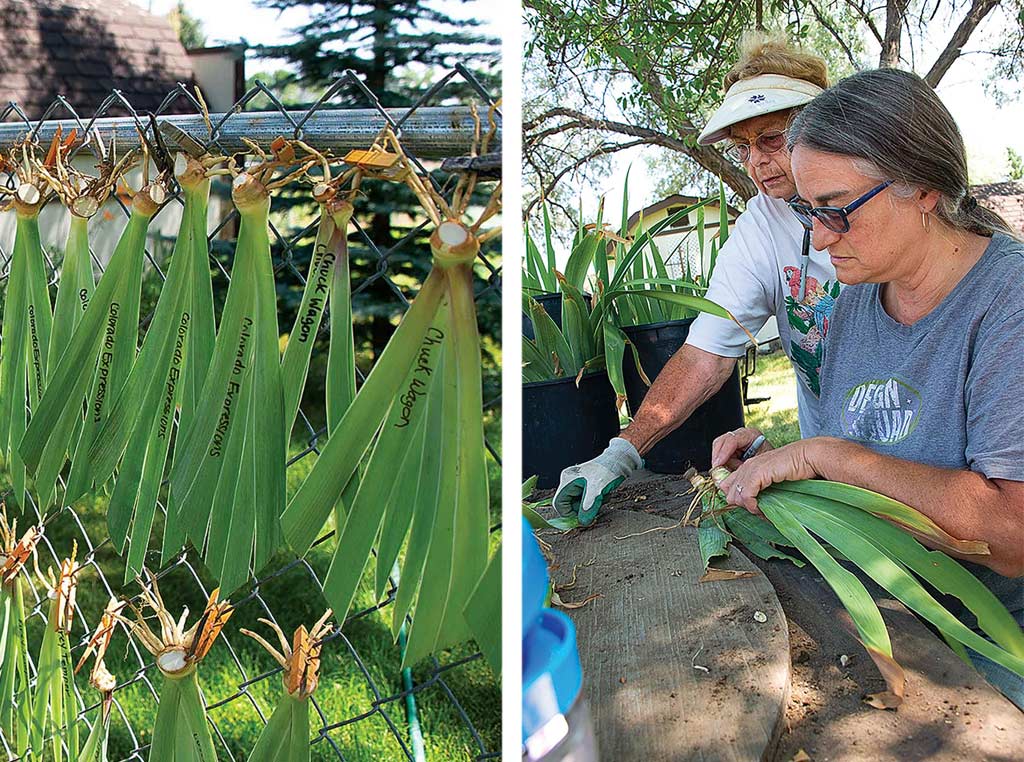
x=686, y=382
x=964, y=503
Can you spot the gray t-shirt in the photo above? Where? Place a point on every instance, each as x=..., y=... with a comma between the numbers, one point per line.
x=947, y=391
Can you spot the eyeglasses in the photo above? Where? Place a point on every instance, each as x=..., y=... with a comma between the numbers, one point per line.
x=767, y=142
x=836, y=219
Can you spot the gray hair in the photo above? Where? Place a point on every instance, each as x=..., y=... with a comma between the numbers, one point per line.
x=894, y=126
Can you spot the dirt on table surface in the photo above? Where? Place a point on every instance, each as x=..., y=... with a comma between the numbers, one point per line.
x=949, y=713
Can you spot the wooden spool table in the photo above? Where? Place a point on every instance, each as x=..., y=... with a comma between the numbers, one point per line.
x=677, y=669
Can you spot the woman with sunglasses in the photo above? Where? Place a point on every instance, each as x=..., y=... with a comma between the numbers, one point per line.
x=765, y=269
x=924, y=361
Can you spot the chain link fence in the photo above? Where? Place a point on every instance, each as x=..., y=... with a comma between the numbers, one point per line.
x=363, y=707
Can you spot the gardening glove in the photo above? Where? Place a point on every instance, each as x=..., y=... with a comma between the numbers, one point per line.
x=582, y=488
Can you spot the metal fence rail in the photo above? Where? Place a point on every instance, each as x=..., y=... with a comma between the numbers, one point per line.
x=456, y=680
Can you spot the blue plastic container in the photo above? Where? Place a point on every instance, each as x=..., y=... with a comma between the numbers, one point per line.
x=556, y=721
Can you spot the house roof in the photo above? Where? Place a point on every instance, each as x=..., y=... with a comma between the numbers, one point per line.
x=84, y=49
x=1006, y=199
x=668, y=202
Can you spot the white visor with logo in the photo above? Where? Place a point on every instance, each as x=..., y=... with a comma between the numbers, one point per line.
x=756, y=96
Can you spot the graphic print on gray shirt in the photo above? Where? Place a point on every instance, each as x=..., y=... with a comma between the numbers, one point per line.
x=945, y=391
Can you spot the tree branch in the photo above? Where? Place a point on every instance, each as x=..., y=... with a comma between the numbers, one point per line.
x=834, y=32
x=977, y=13
x=706, y=156
x=895, y=13
x=866, y=18
x=604, y=150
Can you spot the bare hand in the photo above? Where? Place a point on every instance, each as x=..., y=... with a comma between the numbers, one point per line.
x=778, y=465
x=727, y=449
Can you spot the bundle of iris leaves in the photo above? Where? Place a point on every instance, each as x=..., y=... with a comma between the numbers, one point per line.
x=831, y=523
x=205, y=405
x=42, y=715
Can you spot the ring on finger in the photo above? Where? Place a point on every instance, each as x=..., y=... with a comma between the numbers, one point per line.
x=739, y=489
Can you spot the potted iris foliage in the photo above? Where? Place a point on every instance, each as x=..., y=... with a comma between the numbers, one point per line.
x=656, y=329
x=573, y=372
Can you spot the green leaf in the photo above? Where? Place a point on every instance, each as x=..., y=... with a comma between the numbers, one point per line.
x=561, y=523
x=285, y=738
x=536, y=366
x=181, y=730
x=48, y=438
x=529, y=486
x=614, y=349
x=856, y=599
x=311, y=505
x=328, y=280
x=242, y=405
x=402, y=428
x=74, y=289
x=440, y=411
x=549, y=339
x=27, y=324
x=580, y=260
x=576, y=324
x=885, y=507
x=483, y=613
x=884, y=552
x=712, y=542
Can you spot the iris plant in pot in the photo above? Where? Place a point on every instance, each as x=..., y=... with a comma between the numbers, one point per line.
x=656, y=330
x=573, y=373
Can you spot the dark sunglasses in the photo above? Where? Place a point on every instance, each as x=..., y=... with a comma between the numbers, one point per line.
x=836, y=219
x=767, y=142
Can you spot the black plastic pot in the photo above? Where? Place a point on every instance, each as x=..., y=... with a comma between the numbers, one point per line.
x=690, y=444
x=564, y=425
x=552, y=304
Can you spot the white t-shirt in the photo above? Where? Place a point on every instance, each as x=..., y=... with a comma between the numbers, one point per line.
x=757, y=275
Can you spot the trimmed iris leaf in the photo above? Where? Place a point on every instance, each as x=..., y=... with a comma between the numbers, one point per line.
x=228, y=476
x=285, y=738
x=422, y=404
x=96, y=362
x=138, y=431
x=182, y=730
x=54, y=704
x=829, y=521
x=15, y=674
x=27, y=315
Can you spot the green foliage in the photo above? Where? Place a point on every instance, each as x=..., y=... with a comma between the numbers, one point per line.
x=630, y=284
x=829, y=522
x=383, y=41
x=1016, y=164
x=398, y=49
x=187, y=27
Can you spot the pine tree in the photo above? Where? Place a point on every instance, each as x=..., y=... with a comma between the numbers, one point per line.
x=386, y=41
x=399, y=48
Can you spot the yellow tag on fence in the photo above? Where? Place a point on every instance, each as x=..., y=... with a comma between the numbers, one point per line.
x=371, y=159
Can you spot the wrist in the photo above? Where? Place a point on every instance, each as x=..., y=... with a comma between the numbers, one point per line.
x=625, y=452
x=817, y=452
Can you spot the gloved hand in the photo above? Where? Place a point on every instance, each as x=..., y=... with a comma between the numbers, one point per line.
x=582, y=488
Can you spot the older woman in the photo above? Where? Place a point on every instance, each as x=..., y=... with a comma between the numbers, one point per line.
x=921, y=383
x=765, y=269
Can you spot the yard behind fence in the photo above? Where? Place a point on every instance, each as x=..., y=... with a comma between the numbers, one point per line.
x=362, y=706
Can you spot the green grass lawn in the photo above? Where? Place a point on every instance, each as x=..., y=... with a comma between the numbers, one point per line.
x=359, y=669
x=777, y=416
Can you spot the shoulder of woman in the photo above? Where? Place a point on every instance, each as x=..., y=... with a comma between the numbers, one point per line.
x=995, y=294
x=1004, y=267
